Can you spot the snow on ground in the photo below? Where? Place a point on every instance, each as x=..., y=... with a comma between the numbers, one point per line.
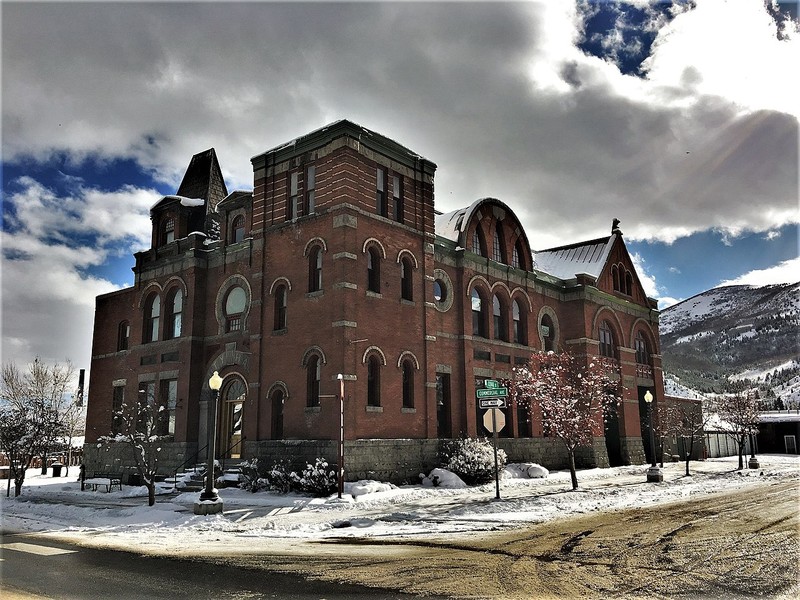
x=369, y=509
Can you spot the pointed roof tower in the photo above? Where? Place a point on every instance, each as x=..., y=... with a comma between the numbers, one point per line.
x=203, y=179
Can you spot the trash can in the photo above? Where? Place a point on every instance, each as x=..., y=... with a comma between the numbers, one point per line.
x=134, y=479
x=56, y=469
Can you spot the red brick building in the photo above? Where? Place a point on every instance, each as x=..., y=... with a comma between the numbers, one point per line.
x=338, y=263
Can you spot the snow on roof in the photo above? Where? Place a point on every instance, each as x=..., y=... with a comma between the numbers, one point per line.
x=568, y=261
x=448, y=225
x=182, y=199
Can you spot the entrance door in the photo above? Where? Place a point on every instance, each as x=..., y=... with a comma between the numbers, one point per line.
x=613, y=446
x=790, y=442
x=230, y=426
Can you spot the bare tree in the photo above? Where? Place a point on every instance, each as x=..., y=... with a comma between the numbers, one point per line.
x=32, y=413
x=738, y=418
x=571, y=393
x=685, y=421
x=144, y=426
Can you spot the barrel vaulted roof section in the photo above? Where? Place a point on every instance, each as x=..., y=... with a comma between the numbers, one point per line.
x=453, y=225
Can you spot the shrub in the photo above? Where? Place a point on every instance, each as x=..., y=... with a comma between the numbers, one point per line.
x=251, y=478
x=316, y=479
x=280, y=478
x=472, y=459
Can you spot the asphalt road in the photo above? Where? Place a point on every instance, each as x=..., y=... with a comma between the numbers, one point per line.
x=35, y=567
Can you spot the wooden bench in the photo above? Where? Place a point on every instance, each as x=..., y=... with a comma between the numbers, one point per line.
x=107, y=480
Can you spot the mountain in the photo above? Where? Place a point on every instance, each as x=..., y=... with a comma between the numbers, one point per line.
x=734, y=338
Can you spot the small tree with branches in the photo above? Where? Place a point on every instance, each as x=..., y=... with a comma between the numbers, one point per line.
x=738, y=418
x=143, y=426
x=572, y=394
x=32, y=419
x=685, y=421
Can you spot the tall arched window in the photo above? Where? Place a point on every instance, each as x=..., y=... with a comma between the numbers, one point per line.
x=174, y=314
x=615, y=277
x=237, y=229
x=520, y=333
x=313, y=376
x=408, y=383
x=277, y=414
x=168, y=231
x=499, y=317
x=518, y=257
x=281, y=305
x=642, y=351
x=152, y=318
x=478, y=315
x=235, y=304
x=628, y=283
x=315, y=269
x=548, y=333
x=498, y=252
x=123, y=336
x=373, y=270
x=231, y=412
x=478, y=245
x=608, y=347
x=406, y=279
x=373, y=381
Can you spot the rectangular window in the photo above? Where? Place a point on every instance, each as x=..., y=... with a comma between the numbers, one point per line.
x=166, y=407
x=144, y=408
x=310, y=188
x=481, y=355
x=381, y=206
x=117, y=402
x=443, y=405
x=397, y=195
x=292, y=202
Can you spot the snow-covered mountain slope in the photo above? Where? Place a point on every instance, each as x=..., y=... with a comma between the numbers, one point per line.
x=735, y=337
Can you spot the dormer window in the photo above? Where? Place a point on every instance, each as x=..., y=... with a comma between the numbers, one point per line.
x=168, y=231
x=237, y=229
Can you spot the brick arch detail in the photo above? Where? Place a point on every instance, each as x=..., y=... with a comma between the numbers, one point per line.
x=641, y=324
x=235, y=279
x=407, y=354
x=547, y=310
x=475, y=279
x=404, y=252
x=315, y=241
x=373, y=242
x=176, y=280
x=146, y=292
x=278, y=385
x=313, y=350
x=375, y=350
x=277, y=282
x=605, y=313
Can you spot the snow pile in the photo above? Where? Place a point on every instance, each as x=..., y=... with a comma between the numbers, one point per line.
x=525, y=471
x=444, y=479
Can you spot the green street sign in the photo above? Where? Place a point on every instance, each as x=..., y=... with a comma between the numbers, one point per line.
x=491, y=383
x=499, y=392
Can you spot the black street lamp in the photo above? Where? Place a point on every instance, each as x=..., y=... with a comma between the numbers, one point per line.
x=654, y=474
x=753, y=462
x=210, y=502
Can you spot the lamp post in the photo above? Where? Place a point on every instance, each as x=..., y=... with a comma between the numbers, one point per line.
x=753, y=462
x=654, y=474
x=210, y=502
x=340, y=466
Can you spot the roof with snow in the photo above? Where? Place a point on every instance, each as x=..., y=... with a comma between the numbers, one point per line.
x=203, y=179
x=566, y=262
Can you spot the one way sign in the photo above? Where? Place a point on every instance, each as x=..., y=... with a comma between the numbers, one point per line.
x=491, y=402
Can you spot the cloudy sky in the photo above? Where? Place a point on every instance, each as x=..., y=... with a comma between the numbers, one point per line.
x=678, y=118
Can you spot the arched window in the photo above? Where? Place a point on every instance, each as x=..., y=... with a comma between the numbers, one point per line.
x=615, y=277
x=608, y=347
x=313, y=376
x=277, y=414
x=478, y=245
x=231, y=413
x=478, y=315
x=237, y=229
x=628, y=283
x=408, y=383
x=548, y=333
x=168, y=231
x=235, y=304
x=373, y=270
x=123, y=336
x=152, y=312
x=642, y=351
x=520, y=333
x=498, y=252
x=373, y=381
x=518, y=258
x=499, y=318
x=406, y=279
x=315, y=269
x=174, y=314
x=281, y=304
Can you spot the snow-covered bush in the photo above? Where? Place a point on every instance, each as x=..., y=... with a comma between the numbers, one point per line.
x=251, y=478
x=316, y=479
x=442, y=478
x=280, y=478
x=472, y=459
x=525, y=471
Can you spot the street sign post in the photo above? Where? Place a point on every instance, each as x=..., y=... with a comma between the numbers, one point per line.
x=493, y=397
x=492, y=393
x=485, y=403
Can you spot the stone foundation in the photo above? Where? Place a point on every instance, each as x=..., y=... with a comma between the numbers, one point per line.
x=117, y=457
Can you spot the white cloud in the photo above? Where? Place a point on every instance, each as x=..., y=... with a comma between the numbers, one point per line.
x=787, y=271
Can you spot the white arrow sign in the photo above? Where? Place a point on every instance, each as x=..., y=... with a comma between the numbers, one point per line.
x=491, y=402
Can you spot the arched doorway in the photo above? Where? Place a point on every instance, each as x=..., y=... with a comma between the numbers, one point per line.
x=277, y=414
x=229, y=433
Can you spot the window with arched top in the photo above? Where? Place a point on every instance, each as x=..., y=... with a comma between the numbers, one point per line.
x=373, y=270
x=548, y=332
x=615, y=278
x=478, y=315
x=520, y=331
x=628, y=283
x=174, y=314
x=123, y=336
x=277, y=401
x=608, y=347
x=498, y=251
x=478, y=245
x=168, y=231
x=281, y=306
x=233, y=398
x=406, y=279
x=237, y=229
x=642, y=350
x=373, y=381
x=152, y=318
x=313, y=376
x=408, y=383
x=235, y=305
x=518, y=260
x=499, y=319
x=315, y=269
